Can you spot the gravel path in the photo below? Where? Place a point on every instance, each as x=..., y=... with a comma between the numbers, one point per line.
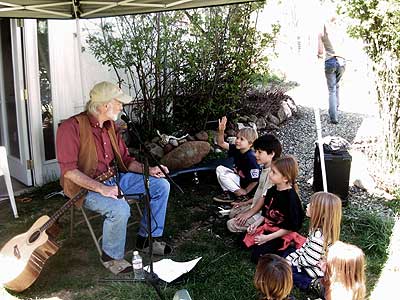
x=298, y=136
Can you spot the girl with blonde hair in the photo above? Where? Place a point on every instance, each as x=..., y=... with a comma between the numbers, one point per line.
x=345, y=274
x=273, y=277
x=325, y=213
x=282, y=213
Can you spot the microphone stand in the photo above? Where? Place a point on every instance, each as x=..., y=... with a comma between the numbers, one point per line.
x=151, y=277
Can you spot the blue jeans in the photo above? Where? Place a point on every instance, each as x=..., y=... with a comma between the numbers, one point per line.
x=301, y=278
x=334, y=69
x=117, y=212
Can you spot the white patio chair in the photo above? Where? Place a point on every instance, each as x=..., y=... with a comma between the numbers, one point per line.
x=4, y=171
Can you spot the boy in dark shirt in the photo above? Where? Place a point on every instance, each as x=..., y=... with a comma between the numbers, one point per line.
x=244, y=177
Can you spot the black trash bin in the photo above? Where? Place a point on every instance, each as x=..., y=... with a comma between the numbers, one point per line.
x=337, y=165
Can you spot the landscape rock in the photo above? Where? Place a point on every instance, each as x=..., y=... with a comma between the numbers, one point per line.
x=252, y=118
x=186, y=155
x=201, y=136
x=292, y=106
x=261, y=123
x=284, y=112
x=274, y=120
x=168, y=148
x=174, y=142
x=155, y=150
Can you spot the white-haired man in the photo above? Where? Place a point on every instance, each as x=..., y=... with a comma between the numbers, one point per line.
x=89, y=144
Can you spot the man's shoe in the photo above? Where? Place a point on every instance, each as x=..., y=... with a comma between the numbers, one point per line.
x=225, y=197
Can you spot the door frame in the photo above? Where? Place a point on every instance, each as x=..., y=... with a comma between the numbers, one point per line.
x=18, y=166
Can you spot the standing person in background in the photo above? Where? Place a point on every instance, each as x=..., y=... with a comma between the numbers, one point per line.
x=238, y=183
x=345, y=273
x=331, y=40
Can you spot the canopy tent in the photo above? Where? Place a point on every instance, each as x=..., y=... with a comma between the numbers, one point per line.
x=74, y=9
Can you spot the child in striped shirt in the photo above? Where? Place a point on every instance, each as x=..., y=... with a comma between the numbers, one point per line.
x=325, y=213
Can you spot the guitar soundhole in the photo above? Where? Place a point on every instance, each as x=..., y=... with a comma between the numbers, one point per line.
x=34, y=236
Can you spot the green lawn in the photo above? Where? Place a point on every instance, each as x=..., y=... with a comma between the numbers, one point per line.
x=193, y=227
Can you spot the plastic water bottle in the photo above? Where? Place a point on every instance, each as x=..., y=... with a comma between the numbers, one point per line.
x=137, y=265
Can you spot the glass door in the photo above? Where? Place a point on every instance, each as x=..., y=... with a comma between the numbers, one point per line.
x=12, y=99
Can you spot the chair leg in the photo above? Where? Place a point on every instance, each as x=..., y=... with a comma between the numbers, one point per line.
x=11, y=194
x=138, y=208
x=91, y=232
x=72, y=224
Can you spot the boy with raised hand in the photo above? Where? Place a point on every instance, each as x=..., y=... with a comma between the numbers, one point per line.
x=240, y=181
x=267, y=148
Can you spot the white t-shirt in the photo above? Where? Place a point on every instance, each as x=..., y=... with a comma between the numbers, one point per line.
x=263, y=185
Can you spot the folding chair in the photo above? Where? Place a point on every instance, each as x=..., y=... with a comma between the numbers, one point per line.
x=131, y=199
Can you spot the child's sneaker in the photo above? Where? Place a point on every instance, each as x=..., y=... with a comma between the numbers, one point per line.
x=225, y=197
x=317, y=287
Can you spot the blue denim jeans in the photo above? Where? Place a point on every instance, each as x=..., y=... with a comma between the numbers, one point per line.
x=334, y=69
x=117, y=212
x=301, y=278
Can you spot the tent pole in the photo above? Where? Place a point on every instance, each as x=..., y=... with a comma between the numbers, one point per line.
x=79, y=45
x=320, y=147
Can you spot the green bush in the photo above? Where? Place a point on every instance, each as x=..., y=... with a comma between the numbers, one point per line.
x=184, y=67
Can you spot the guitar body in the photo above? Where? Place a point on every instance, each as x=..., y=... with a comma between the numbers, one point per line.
x=23, y=257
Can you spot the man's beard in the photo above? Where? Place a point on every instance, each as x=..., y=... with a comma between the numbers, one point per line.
x=114, y=116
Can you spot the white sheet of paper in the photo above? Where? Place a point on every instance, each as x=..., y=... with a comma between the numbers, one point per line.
x=169, y=270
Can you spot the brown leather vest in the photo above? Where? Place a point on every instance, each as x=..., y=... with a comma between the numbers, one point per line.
x=87, y=160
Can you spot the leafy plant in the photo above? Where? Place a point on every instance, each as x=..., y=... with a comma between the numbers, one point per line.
x=183, y=67
x=378, y=24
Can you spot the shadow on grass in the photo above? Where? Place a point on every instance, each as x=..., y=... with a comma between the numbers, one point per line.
x=193, y=227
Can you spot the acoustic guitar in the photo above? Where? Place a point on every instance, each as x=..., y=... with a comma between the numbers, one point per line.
x=22, y=258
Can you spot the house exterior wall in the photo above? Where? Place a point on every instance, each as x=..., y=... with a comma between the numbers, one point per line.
x=73, y=73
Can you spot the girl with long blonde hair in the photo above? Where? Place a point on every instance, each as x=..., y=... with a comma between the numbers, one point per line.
x=345, y=272
x=325, y=213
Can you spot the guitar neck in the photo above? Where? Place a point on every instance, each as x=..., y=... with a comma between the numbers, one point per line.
x=71, y=202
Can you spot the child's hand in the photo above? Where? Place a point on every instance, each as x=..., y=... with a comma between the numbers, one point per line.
x=237, y=204
x=251, y=229
x=222, y=123
x=261, y=239
x=240, y=192
x=242, y=218
x=322, y=265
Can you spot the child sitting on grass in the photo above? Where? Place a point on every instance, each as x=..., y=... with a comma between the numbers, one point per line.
x=344, y=275
x=282, y=211
x=244, y=177
x=325, y=213
x=273, y=277
x=267, y=148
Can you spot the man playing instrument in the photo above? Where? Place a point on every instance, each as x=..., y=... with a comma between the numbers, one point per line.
x=89, y=144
